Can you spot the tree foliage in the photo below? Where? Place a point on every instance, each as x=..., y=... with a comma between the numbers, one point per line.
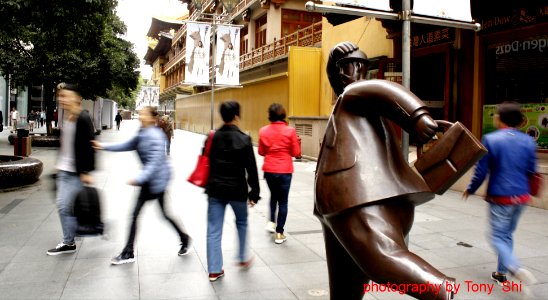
x=67, y=41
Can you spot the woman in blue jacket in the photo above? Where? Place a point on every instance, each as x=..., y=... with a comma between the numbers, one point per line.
x=153, y=179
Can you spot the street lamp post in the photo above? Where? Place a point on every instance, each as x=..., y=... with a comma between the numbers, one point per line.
x=228, y=6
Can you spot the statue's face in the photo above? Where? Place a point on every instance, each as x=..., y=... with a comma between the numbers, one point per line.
x=352, y=71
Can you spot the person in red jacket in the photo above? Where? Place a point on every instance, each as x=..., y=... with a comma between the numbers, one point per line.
x=278, y=143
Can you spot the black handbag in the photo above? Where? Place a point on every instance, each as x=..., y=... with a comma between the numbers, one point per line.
x=450, y=157
x=87, y=210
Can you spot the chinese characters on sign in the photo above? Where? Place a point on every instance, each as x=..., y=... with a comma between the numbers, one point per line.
x=430, y=38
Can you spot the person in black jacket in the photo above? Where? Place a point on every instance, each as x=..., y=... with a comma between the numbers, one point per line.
x=76, y=160
x=232, y=169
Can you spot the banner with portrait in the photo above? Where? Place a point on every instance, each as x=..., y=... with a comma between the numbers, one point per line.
x=197, y=53
x=228, y=55
x=148, y=96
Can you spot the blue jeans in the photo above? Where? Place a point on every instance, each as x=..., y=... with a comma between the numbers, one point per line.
x=504, y=220
x=279, y=185
x=68, y=186
x=215, y=221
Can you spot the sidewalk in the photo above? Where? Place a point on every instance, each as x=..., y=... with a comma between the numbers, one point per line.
x=448, y=233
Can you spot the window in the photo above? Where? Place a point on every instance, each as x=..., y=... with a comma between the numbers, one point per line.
x=244, y=41
x=293, y=20
x=260, y=32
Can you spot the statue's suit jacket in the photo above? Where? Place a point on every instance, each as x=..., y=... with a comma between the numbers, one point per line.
x=360, y=161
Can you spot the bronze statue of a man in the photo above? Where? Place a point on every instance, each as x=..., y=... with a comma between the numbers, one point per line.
x=365, y=190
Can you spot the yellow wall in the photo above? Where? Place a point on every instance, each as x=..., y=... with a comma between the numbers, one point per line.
x=304, y=81
x=297, y=90
x=193, y=112
x=367, y=33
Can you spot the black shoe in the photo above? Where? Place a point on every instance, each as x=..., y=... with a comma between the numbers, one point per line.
x=500, y=279
x=185, y=248
x=123, y=258
x=62, y=249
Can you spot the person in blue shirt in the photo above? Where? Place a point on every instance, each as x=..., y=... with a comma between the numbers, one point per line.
x=510, y=160
x=153, y=179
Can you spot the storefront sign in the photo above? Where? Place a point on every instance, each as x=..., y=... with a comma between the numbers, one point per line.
x=518, y=18
x=539, y=44
x=430, y=38
x=535, y=125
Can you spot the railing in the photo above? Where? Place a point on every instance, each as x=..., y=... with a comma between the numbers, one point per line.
x=307, y=37
x=175, y=59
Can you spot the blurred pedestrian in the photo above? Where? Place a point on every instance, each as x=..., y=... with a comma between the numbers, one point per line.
x=278, y=143
x=167, y=127
x=509, y=163
x=76, y=161
x=31, y=118
x=153, y=179
x=42, y=117
x=14, y=116
x=118, y=120
x=232, y=170
x=55, y=117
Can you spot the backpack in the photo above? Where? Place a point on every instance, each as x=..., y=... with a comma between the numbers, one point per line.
x=87, y=210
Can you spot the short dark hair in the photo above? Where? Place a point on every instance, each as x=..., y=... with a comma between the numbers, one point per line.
x=510, y=113
x=276, y=112
x=229, y=110
x=152, y=110
x=70, y=87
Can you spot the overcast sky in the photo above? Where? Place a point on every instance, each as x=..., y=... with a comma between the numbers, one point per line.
x=137, y=14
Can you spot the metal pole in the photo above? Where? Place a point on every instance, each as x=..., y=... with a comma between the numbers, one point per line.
x=406, y=65
x=213, y=68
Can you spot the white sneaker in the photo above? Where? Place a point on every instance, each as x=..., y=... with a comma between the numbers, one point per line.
x=525, y=276
x=271, y=227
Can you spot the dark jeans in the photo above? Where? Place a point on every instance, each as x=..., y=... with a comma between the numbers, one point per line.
x=144, y=196
x=279, y=185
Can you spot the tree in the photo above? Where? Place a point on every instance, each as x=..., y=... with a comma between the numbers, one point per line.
x=66, y=41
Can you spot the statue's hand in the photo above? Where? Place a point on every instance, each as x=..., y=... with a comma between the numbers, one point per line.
x=425, y=128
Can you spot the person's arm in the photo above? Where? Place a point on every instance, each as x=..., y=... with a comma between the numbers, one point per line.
x=263, y=148
x=392, y=101
x=295, y=144
x=481, y=171
x=128, y=145
x=252, y=174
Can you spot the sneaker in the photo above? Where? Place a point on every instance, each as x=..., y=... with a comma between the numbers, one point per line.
x=526, y=277
x=279, y=238
x=62, y=249
x=123, y=258
x=246, y=264
x=185, y=249
x=500, y=279
x=271, y=227
x=215, y=276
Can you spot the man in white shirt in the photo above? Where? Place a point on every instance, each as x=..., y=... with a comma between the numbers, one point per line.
x=14, y=118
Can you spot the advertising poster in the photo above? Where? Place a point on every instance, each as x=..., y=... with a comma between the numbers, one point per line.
x=535, y=124
x=228, y=55
x=148, y=96
x=197, y=53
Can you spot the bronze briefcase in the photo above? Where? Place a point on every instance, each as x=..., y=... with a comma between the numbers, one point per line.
x=448, y=159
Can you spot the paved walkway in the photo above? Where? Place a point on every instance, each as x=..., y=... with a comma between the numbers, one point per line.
x=448, y=233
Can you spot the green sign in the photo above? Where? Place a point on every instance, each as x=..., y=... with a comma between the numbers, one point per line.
x=535, y=124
